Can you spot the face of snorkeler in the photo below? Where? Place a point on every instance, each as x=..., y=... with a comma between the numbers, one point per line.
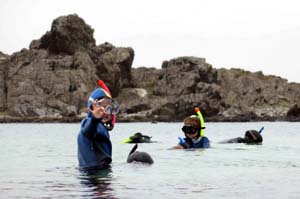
x=192, y=136
x=190, y=131
x=101, y=110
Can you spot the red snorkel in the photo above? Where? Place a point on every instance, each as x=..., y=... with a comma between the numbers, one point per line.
x=102, y=85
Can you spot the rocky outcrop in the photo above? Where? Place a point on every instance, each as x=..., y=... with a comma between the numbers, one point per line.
x=51, y=81
x=54, y=77
x=173, y=91
x=262, y=96
x=170, y=93
x=67, y=35
x=222, y=95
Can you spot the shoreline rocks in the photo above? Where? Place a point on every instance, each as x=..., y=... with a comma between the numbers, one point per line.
x=51, y=82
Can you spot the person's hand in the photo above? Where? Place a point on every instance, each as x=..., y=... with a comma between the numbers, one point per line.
x=98, y=112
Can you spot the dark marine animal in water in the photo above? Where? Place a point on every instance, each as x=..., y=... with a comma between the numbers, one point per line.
x=139, y=156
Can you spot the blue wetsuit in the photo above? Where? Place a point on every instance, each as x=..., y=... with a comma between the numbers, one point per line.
x=94, y=145
x=189, y=143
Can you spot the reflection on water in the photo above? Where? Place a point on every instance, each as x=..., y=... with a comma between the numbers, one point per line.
x=97, y=184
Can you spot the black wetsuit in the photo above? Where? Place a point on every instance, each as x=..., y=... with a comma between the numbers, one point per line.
x=251, y=137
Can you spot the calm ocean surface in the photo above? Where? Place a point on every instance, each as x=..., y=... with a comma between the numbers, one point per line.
x=40, y=161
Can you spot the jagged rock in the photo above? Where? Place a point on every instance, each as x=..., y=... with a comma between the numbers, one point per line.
x=222, y=95
x=121, y=58
x=181, y=75
x=174, y=91
x=68, y=34
x=187, y=82
x=266, y=96
x=54, y=78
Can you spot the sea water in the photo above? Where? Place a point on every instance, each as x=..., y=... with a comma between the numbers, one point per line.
x=40, y=161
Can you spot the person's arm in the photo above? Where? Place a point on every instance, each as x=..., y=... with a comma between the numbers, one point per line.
x=88, y=126
x=182, y=144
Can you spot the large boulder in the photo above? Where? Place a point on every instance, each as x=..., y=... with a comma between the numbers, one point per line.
x=187, y=82
x=181, y=75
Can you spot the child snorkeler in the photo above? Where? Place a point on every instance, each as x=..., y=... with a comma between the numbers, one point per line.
x=193, y=129
x=94, y=145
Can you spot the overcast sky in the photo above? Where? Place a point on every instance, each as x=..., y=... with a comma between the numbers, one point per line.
x=255, y=35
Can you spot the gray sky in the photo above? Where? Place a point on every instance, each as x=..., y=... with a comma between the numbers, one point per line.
x=249, y=34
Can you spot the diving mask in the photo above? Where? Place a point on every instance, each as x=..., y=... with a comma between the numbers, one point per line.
x=189, y=129
x=110, y=106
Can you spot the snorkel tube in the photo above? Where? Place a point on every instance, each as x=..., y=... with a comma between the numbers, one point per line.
x=102, y=85
x=260, y=131
x=202, y=127
x=127, y=140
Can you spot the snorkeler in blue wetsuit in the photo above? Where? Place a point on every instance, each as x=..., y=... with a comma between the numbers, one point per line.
x=193, y=129
x=94, y=145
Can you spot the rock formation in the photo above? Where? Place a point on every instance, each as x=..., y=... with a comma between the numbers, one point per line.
x=222, y=95
x=256, y=95
x=52, y=80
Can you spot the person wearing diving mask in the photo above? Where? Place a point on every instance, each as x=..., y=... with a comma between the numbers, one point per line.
x=250, y=137
x=93, y=141
x=192, y=130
